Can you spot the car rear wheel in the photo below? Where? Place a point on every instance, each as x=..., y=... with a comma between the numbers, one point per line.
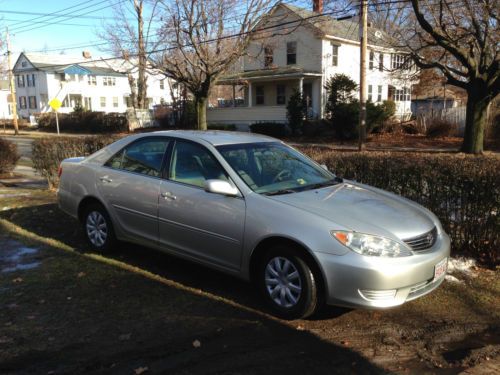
x=98, y=228
x=288, y=283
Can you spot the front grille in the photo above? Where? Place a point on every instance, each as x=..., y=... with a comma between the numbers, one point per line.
x=424, y=241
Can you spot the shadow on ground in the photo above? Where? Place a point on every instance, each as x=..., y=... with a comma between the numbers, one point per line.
x=74, y=314
x=56, y=224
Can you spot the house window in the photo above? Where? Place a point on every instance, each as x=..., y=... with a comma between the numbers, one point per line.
x=109, y=81
x=381, y=61
x=259, y=95
x=44, y=98
x=291, y=53
x=32, y=102
x=20, y=82
x=400, y=62
x=370, y=93
x=22, y=102
x=31, y=80
x=103, y=101
x=402, y=95
x=335, y=55
x=372, y=60
x=92, y=80
x=162, y=84
x=268, y=57
x=379, y=94
x=280, y=94
x=24, y=64
x=115, y=101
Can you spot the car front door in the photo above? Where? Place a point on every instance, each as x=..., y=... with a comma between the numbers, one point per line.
x=130, y=185
x=199, y=224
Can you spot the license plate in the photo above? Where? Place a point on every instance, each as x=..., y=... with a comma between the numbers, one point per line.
x=440, y=269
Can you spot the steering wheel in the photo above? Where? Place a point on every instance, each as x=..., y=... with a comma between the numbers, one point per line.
x=281, y=175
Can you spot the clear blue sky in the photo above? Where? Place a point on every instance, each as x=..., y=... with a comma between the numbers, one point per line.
x=73, y=33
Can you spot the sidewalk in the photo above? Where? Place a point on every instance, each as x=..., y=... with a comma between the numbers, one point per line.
x=25, y=177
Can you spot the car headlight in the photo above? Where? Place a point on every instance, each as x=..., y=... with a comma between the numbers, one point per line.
x=366, y=244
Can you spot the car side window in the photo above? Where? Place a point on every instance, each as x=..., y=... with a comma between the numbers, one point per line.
x=144, y=156
x=193, y=164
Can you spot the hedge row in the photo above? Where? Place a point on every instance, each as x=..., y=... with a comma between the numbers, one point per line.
x=8, y=156
x=84, y=122
x=462, y=190
x=47, y=153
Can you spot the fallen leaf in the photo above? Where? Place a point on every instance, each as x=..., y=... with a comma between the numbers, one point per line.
x=141, y=370
x=81, y=274
x=196, y=343
x=17, y=280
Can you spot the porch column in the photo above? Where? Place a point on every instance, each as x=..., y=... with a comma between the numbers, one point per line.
x=301, y=85
x=250, y=94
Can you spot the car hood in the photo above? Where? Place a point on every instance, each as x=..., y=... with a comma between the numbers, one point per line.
x=362, y=209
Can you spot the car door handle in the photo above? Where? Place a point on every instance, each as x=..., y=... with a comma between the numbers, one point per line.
x=168, y=195
x=105, y=179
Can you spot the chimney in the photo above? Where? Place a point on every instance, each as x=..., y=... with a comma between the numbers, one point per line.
x=86, y=54
x=318, y=6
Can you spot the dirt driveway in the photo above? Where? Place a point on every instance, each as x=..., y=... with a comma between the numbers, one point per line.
x=68, y=311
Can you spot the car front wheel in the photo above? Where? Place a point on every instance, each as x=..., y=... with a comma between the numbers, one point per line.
x=288, y=283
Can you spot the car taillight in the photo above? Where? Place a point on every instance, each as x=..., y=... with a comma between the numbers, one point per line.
x=59, y=171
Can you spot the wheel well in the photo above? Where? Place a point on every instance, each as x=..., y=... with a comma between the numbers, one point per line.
x=267, y=243
x=84, y=204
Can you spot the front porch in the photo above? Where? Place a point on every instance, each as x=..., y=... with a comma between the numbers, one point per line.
x=262, y=96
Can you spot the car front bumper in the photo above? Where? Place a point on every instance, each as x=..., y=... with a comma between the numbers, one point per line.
x=354, y=280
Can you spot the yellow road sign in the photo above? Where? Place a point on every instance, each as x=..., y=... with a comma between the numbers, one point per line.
x=55, y=104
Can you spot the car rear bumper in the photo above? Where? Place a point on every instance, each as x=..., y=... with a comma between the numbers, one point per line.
x=354, y=280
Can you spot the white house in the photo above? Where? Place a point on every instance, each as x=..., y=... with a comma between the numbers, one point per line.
x=95, y=84
x=5, y=109
x=302, y=56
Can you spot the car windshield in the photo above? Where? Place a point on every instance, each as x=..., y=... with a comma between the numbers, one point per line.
x=273, y=168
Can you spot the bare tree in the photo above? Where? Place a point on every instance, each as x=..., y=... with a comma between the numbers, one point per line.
x=203, y=39
x=461, y=38
x=134, y=40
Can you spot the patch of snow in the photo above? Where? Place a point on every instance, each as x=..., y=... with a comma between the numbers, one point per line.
x=453, y=279
x=462, y=265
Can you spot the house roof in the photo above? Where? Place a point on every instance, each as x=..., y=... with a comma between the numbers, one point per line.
x=74, y=64
x=279, y=72
x=345, y=29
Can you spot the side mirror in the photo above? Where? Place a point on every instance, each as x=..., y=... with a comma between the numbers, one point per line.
x=221, y=187
x=325, y=167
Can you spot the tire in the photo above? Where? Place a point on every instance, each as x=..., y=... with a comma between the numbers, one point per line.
x=98, y=228
x=292, y=293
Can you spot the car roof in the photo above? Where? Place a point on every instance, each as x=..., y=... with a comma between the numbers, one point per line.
x=216, y=137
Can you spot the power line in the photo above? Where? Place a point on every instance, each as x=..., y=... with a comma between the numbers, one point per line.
x=212, y=40
x=48, y=14
x=23, y=29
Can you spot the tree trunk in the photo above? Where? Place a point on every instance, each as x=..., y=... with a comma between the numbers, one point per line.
x=201, y=110
x=475, y=120
x=141, y=81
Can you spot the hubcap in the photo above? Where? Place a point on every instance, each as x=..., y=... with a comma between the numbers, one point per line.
x=283, y=282
x=97, y=229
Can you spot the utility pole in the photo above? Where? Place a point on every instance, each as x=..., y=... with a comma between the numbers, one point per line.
x=363, y=36
x=12, y=87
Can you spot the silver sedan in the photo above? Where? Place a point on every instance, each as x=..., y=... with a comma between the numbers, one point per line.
x=253, y=207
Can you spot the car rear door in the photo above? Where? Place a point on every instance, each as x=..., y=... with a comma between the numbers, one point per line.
x=129, y=183
x=203, y=225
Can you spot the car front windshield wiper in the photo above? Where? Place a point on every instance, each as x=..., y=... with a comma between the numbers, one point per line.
x=333, y=181
x=280, y=192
